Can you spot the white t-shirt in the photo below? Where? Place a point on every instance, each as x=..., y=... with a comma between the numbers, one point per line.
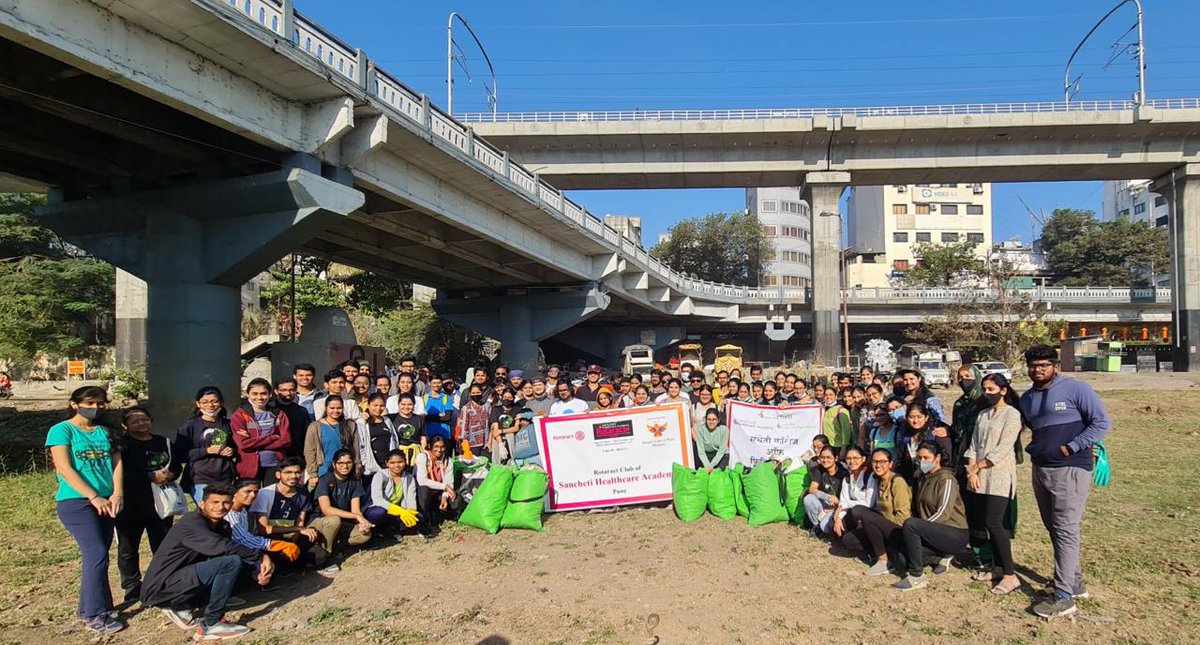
x=393, y=404
x=349, y=408
x=574, y=406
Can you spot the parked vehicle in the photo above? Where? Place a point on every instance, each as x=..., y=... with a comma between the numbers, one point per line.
x=994, y=367
x=928, y=360
x=639, y=359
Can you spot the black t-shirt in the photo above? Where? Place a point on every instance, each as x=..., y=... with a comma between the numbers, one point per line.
x=381, y=440
x=830, y=484
x=505, y=416
x=140, y=459
x=586, y=394
x=214, y=469
x=339, y=491
x=409, y=430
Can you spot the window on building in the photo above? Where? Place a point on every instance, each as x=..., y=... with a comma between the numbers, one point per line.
x=769, y=231
x=899, y=237
x=974, y=209
x=1162, y=221
x=1139, y=207
x=975, y=238
x=900, y=265
x=1159, y=200
x=1124, y=212
x=924, y=237
x=769, y=206
x=899, y=209
x=794, y=281
x=769, y=281
x=949, y=209
x=949, y=237
x=922, y=209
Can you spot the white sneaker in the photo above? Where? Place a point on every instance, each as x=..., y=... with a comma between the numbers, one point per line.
x=182, y=618
x=219, y=632
x=330, y=570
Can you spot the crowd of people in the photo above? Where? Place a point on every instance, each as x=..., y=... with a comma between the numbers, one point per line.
x=299, y=472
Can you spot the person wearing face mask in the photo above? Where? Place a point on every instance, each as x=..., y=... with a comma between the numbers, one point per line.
x=472, y=427
x=920, y=426
x=938, y=530
x=991, y=477
x=502, y=425
x=206, y=442
x=966, y=407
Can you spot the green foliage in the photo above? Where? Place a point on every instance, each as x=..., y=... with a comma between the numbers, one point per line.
x=311, y=292
x=721, y=247
x=944, y=265
x=51, y=297
x=376, y=295
x=1082, y=251
x=420, y=332
x=127, y=384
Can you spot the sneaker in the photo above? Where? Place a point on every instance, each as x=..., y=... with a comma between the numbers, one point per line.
x=330, y=570
x=182, y=618
x=1080, y=593
x=220, y=631
x=235, y=601
x=269, y=587
x=910, y=583
x=942, y=566
x=104, y=624
x=1055, y=607
x=878, y=569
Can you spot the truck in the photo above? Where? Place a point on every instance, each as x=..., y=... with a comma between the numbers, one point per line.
x=639, y=359
x=927, y=360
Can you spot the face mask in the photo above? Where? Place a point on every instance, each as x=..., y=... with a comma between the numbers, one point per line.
x=88, y=413
x=926, y=466
x=897, y=415
x=478, y=398
x=967, y=385
x=508, y=402
x=992, y=399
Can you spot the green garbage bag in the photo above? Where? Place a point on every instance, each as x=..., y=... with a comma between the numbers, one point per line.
x=763, y=495
x=720, y=494
x=487, y=506
x=796, y=483
x=524, y=509
x=690, y=491
x=739, y=492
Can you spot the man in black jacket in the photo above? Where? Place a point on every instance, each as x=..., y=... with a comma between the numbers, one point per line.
x=199, y=562
x=285, y=403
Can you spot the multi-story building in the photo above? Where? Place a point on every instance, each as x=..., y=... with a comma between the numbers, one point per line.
x=1133, y=199
x=885, y=223
x=629, y=227
x=787, y=222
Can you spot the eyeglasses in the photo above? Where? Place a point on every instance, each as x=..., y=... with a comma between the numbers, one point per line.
x=880, y=462
x=343, y=463
x=1042, y=365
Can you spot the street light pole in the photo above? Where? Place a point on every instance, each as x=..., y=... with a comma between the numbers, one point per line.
x=1140, y=99
x=495, y=97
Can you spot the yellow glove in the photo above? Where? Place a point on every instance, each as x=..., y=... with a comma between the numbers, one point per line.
x=287, y=549
x=408, y=518
x=392, y=509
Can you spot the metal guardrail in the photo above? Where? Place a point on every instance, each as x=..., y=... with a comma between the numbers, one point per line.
x=808, y=113
x=280, y=16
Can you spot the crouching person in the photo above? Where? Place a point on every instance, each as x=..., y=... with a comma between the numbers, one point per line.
x=393, y=506
x=938, y=530
x=198, y=563
x=339, y=508
x=280, y=513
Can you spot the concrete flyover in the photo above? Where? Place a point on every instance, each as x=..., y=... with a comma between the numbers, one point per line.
x=194, y=143
x=1005, y=142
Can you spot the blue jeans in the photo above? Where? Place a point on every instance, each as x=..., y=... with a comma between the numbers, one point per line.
x=93, y=534
x=217, y=578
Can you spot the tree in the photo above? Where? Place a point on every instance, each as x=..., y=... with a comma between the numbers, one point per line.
x=1082, y=251
x=944, y=265
x=730, y=248
x=997, y=322
x=419, y=331
x=53, y=297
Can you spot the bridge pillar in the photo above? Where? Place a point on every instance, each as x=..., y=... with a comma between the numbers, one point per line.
x=194, y=247
x=520, y=321
x=823, y=192
x=1181, y=188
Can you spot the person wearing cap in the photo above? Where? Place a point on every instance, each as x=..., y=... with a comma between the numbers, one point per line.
x=516, y=379
x=606, y=399
x=587, y=391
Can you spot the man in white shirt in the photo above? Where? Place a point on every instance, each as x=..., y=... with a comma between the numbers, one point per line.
x=567, y=403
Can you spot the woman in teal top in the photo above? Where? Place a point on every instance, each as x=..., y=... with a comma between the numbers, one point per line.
x=90, y=495
x=712, y=442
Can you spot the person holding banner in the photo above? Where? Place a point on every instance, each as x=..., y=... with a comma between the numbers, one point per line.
x=712, y=441
x=771, y=396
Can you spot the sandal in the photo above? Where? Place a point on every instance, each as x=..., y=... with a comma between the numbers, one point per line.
x=1005, y=587
x=985, y=575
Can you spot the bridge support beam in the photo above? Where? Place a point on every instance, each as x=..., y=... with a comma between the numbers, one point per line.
x=520, y=321
x=1181, y=188
x=194, y=247
x=823, y=192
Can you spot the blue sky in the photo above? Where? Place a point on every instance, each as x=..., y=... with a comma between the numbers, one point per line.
x=705, y=54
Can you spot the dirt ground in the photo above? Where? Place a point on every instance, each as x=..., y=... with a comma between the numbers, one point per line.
x=642, y=576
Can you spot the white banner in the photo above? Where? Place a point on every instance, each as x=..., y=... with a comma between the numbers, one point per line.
x=614, y=457
x=757, y=432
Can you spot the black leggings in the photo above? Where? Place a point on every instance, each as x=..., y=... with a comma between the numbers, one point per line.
x=868, y=531
x=429, y=501
x=131, y=524
x=995, y=508
x=921, y=536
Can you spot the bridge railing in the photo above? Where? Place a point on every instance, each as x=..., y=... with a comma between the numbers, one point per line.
x=808, y=113
x=280, y=17
x=1159, y=295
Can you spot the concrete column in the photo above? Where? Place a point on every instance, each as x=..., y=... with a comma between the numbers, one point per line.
x=1181, y=187
x=130, y=320
x=823, y=192
x=194, y=247
x=518, y=347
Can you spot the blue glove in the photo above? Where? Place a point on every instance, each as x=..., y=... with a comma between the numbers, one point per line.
x=1100, y=474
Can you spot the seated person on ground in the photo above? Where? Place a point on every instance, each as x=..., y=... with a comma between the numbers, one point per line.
x=393, y=506
x=339, y=508
x=938, y=531
x=822, y=501
x=280, y=512
x=245, y=492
